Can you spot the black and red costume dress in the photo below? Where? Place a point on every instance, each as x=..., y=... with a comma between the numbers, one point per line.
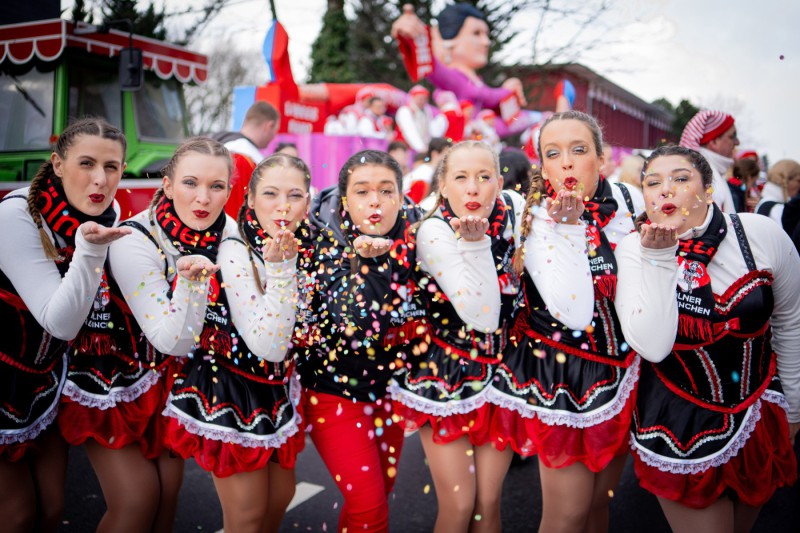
x=233, y=405
x=710, y=417
x=43, y=304
x=566, y=393
x=471, y=293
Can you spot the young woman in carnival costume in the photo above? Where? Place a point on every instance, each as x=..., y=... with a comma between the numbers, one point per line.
x=166, y=272
x=231, y=407
x=710, y=301
x=53, y=248
x=465, y=248
x=368, y=321
x=566, y=386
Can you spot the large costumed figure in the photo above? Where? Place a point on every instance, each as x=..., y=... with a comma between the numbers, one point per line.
x=449, y=56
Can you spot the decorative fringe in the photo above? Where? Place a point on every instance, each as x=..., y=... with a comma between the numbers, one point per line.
x=215, y=342
x=605, y=286
x=411, y=330
x=95, y=343
x=695, y=328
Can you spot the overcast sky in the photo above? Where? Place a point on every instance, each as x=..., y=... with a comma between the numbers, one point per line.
x=720, y=54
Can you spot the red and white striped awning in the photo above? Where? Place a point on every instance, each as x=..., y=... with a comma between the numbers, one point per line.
x=46, y=40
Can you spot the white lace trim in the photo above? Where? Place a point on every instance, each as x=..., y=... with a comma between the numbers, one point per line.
x=553, y=417
x=242, y=437
x=777, y=398
x=432, y=407
x=115, y=395
x=32, y=431
x=232, y=436
x=695, y=466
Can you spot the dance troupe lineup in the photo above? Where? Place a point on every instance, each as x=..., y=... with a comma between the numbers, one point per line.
x=556, y=325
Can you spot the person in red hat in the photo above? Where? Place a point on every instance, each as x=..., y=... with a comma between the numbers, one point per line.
x=415, y=119
x=713, y=134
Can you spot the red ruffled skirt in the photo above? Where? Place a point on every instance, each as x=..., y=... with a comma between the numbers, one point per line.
x=225, y=459
x=476, y=424
x=136, y=422
x=559, y=446
x=765, y=463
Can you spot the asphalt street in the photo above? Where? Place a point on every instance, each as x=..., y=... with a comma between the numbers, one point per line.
x=413, y=504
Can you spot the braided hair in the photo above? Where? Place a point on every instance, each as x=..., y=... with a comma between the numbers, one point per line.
x=93, y=126
x=277, y=159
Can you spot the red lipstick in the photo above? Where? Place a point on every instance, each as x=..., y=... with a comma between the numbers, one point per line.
x=200, y=214
x=97, y=198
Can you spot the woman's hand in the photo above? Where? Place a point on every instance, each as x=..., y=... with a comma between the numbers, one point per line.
x=95, y=233
x=793, y=428
x=567, y=207
x=369, y=247
x=408, y=24
x=470, y=228
x=515, y=86
x=281, y=248
x=195, y=267
x=658, y=236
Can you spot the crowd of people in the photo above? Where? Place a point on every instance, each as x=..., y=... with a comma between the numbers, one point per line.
x=506, y=307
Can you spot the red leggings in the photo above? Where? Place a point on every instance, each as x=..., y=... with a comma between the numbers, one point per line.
x=360, y=445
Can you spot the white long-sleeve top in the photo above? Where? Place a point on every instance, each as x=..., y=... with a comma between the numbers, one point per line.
x=170, y=324
x=648, y=309
x=464, y=270
x=60, y=305
x=557, y=260
x=264, y=321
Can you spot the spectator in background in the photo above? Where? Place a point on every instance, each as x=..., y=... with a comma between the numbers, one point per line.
x=414, y=119
x=373, y=121
x=713, y=134
x=417, y=184
x=629, y=182
x=609, y=168
x=259, y=128
x=419, y=159
x=399, y=150
x=516, y=170
x=483, y=129
x=783, y=183
x=743, y=185
x=287, y=148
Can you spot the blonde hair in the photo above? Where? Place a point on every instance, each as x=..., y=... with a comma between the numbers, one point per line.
x=536, y=194
x=441, y=170
x=277, y=159
x=780, y=172
x=200, y=145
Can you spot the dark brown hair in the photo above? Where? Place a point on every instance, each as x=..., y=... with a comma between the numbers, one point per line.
x=93, y=126
x=695, y=158
x=362, y=159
